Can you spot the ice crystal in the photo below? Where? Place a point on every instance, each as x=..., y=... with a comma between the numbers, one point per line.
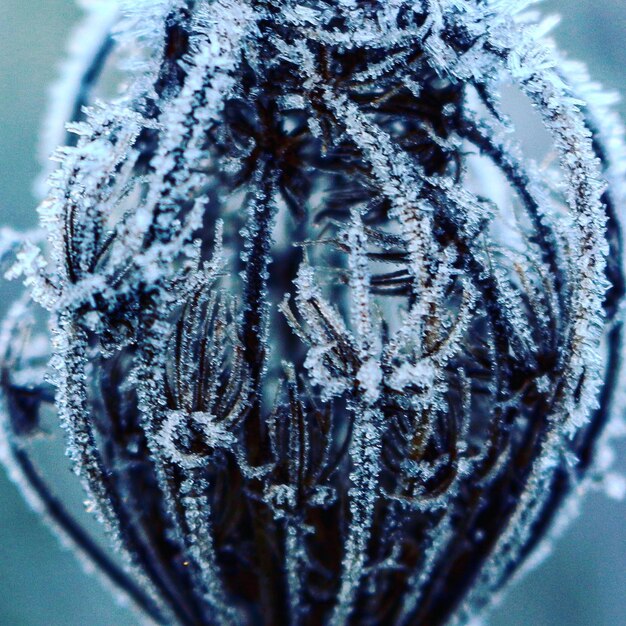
x=327, y=345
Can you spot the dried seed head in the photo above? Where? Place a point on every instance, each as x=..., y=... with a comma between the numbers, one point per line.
x=328, y=346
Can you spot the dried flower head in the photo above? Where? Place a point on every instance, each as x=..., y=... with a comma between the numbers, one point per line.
x=328, y=346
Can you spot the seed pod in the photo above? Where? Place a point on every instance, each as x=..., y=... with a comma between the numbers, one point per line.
x=329, y=347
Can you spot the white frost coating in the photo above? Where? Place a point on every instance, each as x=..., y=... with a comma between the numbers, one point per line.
x=324, y=364
x=331, y=386
x=533, y=66
x=140, y=34
x=15, y=327
x=450, y=330
x=163, y=432
x=370, y=377
x=365, y=449
x=86, y=43
x=174, y=426
x=201, y=547
x=600, y=108
x=215, y=53
x=366, y=443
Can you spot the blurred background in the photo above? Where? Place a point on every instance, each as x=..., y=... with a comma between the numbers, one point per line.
x=583, y=583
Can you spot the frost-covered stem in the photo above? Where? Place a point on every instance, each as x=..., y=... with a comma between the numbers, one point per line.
x=150, y=375
x=295, y=565
x=366, y=442
x=419, y=578
x=71, y=532
x=23, y=472
x=582, y=172
x=609, y=143
x=90, y=46
x=253, y=332
x=364, y=452
x=257, y=257
x=72, y=401
x=577, y=395
x=296, y=530
x=201, y=547
x=534, y=199
x=215, y=55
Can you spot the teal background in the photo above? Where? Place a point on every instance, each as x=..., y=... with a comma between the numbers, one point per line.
x=582, y=584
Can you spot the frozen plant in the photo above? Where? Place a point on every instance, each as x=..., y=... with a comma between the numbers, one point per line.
x=331, y=341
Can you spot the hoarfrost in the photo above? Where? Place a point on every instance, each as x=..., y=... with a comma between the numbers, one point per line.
x=411, y=397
